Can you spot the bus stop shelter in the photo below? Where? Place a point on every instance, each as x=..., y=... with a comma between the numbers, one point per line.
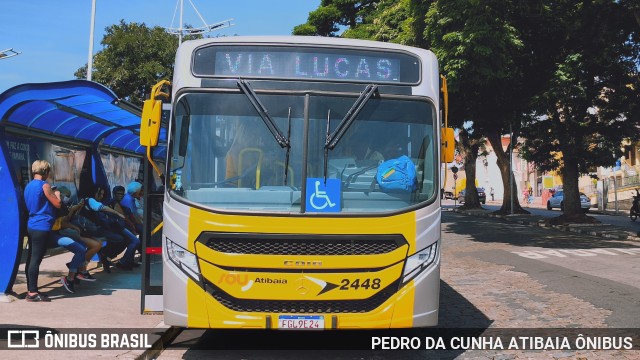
x=77, y=113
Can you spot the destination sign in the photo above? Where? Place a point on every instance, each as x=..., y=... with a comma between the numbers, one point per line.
x=306, y=63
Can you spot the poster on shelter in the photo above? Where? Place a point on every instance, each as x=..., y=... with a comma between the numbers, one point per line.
x=20, y=155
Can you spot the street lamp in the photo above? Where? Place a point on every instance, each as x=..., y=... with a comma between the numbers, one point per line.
x=4, y=54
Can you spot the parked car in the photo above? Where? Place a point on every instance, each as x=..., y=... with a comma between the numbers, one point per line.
x=448, y=195
x=557, y=201
x=482, y=196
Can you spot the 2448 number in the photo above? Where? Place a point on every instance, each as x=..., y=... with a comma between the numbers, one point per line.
x=358, y=283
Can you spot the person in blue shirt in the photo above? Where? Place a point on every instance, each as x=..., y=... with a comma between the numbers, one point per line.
x=129, y=221
x=64, y=227
x=134, y=192
x=111, y=221
x=42, y=201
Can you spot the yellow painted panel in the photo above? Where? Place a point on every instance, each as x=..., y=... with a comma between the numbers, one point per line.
x=197, y=313
x=301, y=286
x=395, y=312
x=403, y=310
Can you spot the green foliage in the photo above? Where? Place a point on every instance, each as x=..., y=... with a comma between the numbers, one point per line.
x=479, y=48
x=134, y=58
x=334, y=15
x=392, y=23
x=383, y=20
x=325, y=20
x=590, y=103
x=304, y=30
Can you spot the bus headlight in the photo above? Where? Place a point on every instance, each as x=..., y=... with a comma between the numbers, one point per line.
x=418, y=262
x=183, y=259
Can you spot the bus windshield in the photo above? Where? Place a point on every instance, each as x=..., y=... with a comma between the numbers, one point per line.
x=224, y=157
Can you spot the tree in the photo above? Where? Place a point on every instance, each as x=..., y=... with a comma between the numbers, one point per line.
x=590, y=103
x=334, y=15
x=401, y=21
x=388, y=21
x=135, y=57
x=482, y=54
x=634, y=7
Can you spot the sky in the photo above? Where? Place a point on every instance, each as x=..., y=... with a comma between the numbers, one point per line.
x=53, y=35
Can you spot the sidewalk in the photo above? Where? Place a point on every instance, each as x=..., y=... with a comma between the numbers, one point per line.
x=598, y=230
x=538, y=204
x=113, y=301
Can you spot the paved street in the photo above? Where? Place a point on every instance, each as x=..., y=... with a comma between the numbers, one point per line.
x=555, y=278
x=500, y=274
x=620, y=219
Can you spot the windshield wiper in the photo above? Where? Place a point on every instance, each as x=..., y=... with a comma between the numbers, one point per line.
x=338, y=133
x=326, y=149
x=286, y=160
x=262, y=111
x=333, y=138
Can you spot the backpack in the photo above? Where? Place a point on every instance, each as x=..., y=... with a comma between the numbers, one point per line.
x=397, y=175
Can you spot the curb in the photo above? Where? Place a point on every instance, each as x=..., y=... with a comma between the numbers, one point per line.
x=161, y=343
x=603, y=231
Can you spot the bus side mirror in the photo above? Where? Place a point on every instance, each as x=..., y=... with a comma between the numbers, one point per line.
x=152, y=115
x=150, y=122
x=448, y=145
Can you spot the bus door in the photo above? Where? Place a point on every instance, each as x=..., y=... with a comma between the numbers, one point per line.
x=151, y=241
x=153, y=114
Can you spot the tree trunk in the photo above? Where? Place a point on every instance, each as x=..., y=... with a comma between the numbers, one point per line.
x=471, y=200
x=571, y=200
x=503, y=163
x=573, y=212
x=469, y=151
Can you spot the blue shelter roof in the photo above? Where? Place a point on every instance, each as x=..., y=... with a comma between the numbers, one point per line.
x=77, y=112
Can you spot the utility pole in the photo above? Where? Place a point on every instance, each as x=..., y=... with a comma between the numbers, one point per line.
x=181, y=22
x=615, y=190
x=91, y=29
x=511, y=165
x=454, y=170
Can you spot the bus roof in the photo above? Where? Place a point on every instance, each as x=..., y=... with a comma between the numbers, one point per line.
x=310, y=58
x=301, y=40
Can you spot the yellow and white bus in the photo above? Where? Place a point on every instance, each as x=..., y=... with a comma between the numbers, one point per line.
x=303, y=184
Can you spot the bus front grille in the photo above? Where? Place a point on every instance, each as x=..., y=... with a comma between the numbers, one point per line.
x=301, y=306
x=273, y=244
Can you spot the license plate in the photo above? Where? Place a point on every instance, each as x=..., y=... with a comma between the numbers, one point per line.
x=301, y=322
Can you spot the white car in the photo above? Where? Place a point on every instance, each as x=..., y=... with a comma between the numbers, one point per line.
x=556, y=201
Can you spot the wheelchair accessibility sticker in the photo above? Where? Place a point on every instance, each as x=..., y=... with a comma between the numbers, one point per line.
x=323, y=197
